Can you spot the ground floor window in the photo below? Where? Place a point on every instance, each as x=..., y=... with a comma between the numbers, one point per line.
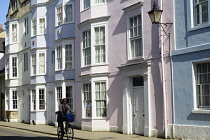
x=87, y=102
x=203, y=84
x=69, y=96
x=33, y=100
x=41, y=99
x=14, y=99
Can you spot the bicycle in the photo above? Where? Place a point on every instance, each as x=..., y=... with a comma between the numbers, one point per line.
x=68, y=129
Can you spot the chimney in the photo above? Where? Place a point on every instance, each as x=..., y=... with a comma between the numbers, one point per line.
x=1, y=26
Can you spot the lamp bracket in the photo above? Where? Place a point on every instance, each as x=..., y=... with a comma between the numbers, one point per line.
x=163, y=28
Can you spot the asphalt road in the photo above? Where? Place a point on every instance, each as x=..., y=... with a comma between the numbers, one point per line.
x=15, y=134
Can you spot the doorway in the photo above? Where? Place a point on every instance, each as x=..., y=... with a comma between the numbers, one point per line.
x=138, y=105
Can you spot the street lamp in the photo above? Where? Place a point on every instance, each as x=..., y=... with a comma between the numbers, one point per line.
x=155, y=16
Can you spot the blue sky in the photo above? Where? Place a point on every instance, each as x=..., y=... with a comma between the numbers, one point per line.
x=3, y=10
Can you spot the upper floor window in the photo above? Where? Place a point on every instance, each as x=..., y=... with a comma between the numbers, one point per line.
x=7, y=68
x=59, y=15
x=41, y=63
x=33, y=64
x=135, y=37
x=200, y=12
x=99, y=1
x=25, y=61
x=68, y=60
x=34, y=27
x=69, y=12
x=26, y=25
x=14, y=32
x=14, y=5
x=41, y=25
x=86, y=4
x=14, y=66
x=86, y=36
x=59, y=57
x=100, y=44
x=202, y=85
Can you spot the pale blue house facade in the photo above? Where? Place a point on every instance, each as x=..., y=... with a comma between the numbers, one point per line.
x=191, y=69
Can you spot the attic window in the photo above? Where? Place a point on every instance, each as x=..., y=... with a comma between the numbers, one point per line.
x=14, y=5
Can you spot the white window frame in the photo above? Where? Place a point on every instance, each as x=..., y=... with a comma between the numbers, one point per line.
x=59, y=21
x=34, y=27
x=42, y=27
x=33, y=100
x=83, y=4
x=14, y=100
x=202, y=83
x=7, y=36
x=69, y=96
x=198, y=5
x=26, y=26
x=14, y=67
x=59, y=93
x=14, y=33
x=7, y=65
x=87, y=109
x=84, y=47
x=41, y=99
x=33, y=64
x=25, y=61
x=71, y=13
x=92, y=82
x=58, y=56
x=69, y=55
x=42, y=63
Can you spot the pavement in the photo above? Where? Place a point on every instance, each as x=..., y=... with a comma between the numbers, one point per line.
x=78, y=134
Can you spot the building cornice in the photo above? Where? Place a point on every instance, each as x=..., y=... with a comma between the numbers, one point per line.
x=94, y=75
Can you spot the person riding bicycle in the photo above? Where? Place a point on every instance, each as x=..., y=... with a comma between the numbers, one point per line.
x=63, y=110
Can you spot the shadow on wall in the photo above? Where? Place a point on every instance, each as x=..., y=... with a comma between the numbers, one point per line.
x=198, y=117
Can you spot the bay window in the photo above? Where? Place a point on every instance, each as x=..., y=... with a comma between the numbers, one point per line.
x=33, y=64
x=41, y=25
x=7, y=68
x=14, y=66
x=59, y=94
x=100, y=93
x=33, y=100
x=87, y=100
x=59, y=57
x=86, y=47
x=25, y=63
x=14, y=33
x=14, y=99
x=33, y=27
x=68, y=60
x=59, y=15
x=86, y=4
x=41, y=99
x=69, y=13
x=41, y=63
x=69, y=96
x=99, y=44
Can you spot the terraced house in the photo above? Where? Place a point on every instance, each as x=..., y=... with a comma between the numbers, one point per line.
x=106, y=57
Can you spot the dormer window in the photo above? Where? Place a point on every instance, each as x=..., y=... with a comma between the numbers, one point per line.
x=14, y=5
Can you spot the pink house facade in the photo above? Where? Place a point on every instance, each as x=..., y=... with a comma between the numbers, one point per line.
x=122, y=63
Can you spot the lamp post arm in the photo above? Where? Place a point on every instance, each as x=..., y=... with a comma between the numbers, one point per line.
x=166, y=24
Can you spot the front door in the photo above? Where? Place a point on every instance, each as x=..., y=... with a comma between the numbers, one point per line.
x=138, y=110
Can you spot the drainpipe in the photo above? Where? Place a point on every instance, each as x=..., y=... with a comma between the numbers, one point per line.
x=163, y=76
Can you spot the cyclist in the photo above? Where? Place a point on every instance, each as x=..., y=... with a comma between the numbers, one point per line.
x=63, y=110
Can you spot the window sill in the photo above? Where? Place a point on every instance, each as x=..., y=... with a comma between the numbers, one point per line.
x=94, y=118
x=136, y=58
x=95, y=65
x=83, y=10
x=37, y=111
x=201, y=26
x=203, y=111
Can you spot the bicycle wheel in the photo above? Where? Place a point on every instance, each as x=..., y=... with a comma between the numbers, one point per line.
x=59, y=133
x=70, y=132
